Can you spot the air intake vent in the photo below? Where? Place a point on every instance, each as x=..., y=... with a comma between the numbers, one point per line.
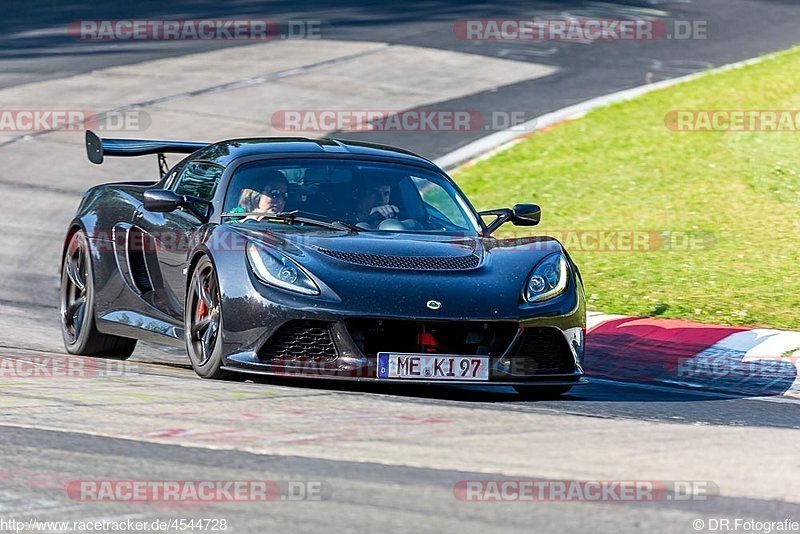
x=138, y=242
x=421, y=263
x=543, y=350
x=301, y=341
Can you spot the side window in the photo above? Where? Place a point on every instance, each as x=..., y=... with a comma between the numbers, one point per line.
x=169, y=181
x=172, y=176
x=199, y=179
x=439, y=202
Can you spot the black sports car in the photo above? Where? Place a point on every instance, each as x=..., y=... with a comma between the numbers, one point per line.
x=319, y=258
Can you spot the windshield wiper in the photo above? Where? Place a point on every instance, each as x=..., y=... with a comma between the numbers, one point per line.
x=304, y=217
x=314, y=218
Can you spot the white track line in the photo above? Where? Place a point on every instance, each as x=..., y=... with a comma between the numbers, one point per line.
x=500, y=141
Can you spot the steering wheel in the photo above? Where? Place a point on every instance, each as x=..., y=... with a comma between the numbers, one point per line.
x=399, y=222
x=376, y=218
x=392, y=224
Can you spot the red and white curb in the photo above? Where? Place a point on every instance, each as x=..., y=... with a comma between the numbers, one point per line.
x=728, y=359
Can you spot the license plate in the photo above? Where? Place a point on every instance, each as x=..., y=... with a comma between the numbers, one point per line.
x=432, y=367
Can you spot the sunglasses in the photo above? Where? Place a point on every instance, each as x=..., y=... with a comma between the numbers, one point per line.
x=276, y=194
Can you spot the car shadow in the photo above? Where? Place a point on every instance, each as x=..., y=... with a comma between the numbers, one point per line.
x=599, y=399
x=604, y=391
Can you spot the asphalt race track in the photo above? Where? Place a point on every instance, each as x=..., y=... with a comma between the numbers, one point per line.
x=34, y=44
x=386, y=459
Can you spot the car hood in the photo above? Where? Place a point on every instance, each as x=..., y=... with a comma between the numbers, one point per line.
x=390, y=244
x=296, y=242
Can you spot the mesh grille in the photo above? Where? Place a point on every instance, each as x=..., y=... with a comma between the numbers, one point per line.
x=136, y=260
x=543, y=350
x=432, y=337
x=301, y=340
x=425, y=263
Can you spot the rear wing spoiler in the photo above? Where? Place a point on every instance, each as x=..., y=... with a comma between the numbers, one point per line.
x=97, y=149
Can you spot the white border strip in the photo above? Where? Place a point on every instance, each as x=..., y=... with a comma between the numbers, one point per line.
x=503, y=140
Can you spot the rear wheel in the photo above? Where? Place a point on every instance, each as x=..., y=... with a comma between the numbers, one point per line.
x=78, y=326
x=541, y=392
x=203, y=321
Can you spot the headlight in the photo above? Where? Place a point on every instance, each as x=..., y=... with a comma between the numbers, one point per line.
x=278, y=270
x=548, y=279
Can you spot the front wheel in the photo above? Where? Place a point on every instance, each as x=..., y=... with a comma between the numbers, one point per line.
x=78, y=326
x=203, y=321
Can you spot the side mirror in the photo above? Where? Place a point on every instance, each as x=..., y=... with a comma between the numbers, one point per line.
x=520, y=215
x=162, y=200
x=526, y=215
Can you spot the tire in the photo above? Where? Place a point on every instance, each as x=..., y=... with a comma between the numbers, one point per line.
x=541, y=392
x=202, y=319
x=76, y=310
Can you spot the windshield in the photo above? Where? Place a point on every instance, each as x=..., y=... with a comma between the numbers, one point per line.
x=372, y=196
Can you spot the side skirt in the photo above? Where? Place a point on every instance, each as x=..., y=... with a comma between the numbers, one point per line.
x=128, y=323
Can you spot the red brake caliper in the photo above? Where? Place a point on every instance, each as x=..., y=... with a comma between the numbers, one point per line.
x=202, y=309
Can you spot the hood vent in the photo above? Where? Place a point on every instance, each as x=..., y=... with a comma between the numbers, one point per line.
x=420, y=263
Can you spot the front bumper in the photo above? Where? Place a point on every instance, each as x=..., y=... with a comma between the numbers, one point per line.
x=273, y=332
x=546, y=351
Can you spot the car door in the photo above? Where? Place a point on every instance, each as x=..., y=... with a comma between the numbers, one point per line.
x=170, y=237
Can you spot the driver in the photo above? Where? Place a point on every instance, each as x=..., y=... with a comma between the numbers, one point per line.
x=372, y=202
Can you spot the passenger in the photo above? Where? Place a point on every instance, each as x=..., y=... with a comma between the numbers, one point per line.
x=265, y=195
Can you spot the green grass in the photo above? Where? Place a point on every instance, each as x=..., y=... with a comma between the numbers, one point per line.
x=621, y=168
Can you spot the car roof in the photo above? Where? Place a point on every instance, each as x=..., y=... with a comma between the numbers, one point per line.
x=225, y=152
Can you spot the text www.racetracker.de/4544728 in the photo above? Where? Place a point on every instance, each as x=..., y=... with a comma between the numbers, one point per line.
x=19, y=526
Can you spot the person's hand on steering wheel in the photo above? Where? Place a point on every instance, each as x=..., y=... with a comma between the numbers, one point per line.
x=387, y=211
